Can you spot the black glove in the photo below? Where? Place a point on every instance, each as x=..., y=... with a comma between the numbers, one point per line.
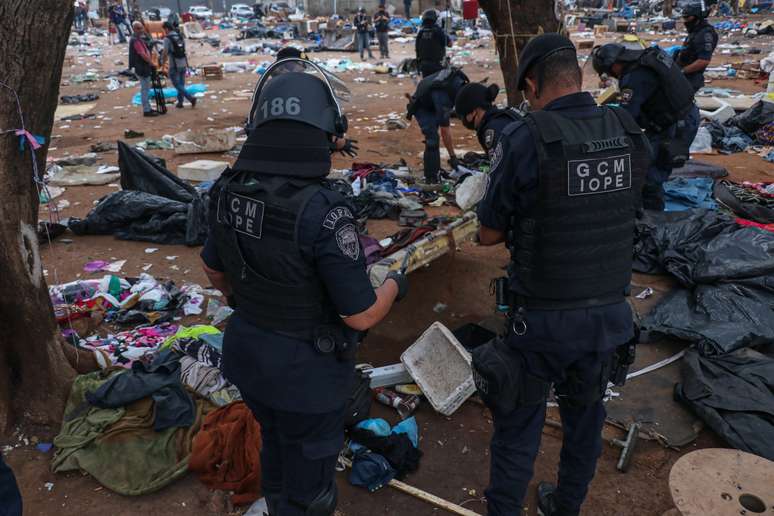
x=349, y=149
x=402, y=282
x=454, y=163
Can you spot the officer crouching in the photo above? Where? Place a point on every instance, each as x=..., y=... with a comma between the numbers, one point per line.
x=660, y=99
x=475, y=109
x=283, y=247
x=565, y=187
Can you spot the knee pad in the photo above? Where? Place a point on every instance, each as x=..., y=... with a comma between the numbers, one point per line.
x=325, y=503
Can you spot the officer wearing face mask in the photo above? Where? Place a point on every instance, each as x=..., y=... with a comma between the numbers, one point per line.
x=660, y=98
x=696, y=54
x=283, y=247
x=474, y=107
x=563, y=195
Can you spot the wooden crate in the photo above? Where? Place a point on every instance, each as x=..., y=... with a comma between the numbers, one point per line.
x=426, y=249
x=212, y=72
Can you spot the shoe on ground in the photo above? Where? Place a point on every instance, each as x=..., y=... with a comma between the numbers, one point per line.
x=179, y=105
x=546, y=499
x=151, y=113
x=193, y=102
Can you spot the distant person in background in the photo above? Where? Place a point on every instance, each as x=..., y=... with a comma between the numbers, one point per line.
x=10, y=497
x=117, y=16
x=141, y=62
x=174, y=51
x=382, y=26
x=80, y=17
x=362, y=23
x=407, y=9
x=258, y=10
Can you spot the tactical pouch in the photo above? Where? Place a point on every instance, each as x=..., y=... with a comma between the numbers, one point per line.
x=502, y=380
x=623, y=358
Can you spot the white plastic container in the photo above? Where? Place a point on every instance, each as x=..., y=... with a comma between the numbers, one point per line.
x=440, y=366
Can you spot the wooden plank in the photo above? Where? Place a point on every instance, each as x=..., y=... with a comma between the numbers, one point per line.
x=426, y=249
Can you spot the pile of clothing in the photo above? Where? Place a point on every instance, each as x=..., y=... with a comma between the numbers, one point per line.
x=752, y=128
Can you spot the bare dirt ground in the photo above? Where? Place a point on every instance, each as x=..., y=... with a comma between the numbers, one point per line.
x=455, y=464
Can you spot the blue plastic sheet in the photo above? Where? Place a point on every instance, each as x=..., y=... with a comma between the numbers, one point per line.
x=684, y=193
x=171, y=93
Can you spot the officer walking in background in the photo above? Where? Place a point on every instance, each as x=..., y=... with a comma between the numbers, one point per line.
x=564, y=188
x=660, y=98
x=174, y=51
x=474, y=107
x=431, y=44
x=432, y=104
x=283, y=247
x=696, y=54
x=382, y=26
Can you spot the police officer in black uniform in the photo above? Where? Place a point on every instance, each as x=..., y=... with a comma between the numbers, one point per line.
x=696, y=54
x=660, y=98
x=474, y=107
x=283, y=247
x=433, y=104
x=564, y=189
x=431, y=44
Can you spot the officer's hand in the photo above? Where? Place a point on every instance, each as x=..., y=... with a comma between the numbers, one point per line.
x=454, y=163
x=349, y=148
x=402, y=281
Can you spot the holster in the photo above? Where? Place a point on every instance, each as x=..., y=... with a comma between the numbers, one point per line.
x=623, y=358
x=339, y=339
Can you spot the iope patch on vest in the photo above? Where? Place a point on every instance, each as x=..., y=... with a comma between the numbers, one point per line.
x=243, y=214
x=335, y=215
x=600, y=175
x=348, y=242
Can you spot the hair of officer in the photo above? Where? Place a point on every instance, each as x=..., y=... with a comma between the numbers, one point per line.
x=560, y=69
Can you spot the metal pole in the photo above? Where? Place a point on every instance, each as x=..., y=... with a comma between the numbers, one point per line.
x=179, y=8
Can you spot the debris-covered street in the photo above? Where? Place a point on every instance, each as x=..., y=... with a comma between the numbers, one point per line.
x=127, y=285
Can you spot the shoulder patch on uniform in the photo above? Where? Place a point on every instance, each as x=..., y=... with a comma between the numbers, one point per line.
x=489, y=135
x=626, y=95
x=497, y=156
x=348, y=242
x=335, y=215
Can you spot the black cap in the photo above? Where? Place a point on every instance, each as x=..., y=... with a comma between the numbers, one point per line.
x=537, y=49
x=474, y=95
x=288, y=52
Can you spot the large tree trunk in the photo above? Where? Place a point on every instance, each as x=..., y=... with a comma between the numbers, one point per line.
x=34, y=374
x=514, y=22
x=668, y=8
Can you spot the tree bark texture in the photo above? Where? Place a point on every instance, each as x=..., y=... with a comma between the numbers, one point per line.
x=514, y=23
x=34, y=374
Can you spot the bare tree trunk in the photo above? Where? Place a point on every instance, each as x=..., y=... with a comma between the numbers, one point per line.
x=668, y=8
x=514, y=22
x=34, y=374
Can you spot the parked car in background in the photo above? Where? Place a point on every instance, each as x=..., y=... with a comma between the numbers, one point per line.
x=241, y=11
x=200, y=12
x=157, y=13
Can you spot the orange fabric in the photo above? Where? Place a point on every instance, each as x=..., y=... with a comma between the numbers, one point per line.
x=226, y=452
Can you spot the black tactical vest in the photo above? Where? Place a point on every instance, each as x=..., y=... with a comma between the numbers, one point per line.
x=575, y=247
x=674, y=98
x=255, y=225
x=430, y=45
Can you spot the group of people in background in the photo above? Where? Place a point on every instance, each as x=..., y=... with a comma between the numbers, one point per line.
x=365, y=25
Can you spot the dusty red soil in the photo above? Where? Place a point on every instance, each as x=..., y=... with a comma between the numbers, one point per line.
x=455, y=462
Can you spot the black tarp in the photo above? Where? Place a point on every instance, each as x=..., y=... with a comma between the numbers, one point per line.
x=696, y=168
x=745, y=208
x=734, y=395
x=154, y=205
x=727, y=272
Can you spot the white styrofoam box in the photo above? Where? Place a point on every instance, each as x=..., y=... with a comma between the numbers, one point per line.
x=201, y=170
x=440, y=366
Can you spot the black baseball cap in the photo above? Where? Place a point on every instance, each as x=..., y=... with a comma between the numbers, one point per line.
x=537, y=49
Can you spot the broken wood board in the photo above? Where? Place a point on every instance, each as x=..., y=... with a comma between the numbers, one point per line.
x=426, y=249
x=73, y=109
x=740, y=103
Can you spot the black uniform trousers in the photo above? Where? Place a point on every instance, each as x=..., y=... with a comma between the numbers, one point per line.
x=298, y=454
x=517, y=434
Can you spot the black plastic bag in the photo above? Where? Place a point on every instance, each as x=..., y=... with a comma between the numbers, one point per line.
x=734, y=395
x=143, y=172
x=760, y=114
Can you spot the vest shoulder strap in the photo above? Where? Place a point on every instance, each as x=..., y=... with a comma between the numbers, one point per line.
x=628, y=123
x=545, y=123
